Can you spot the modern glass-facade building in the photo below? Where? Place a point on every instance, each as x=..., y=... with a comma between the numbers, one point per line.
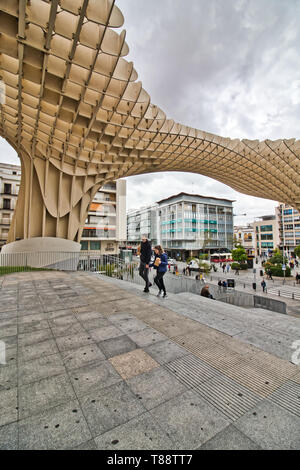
x=191, y=224
x=184, y=224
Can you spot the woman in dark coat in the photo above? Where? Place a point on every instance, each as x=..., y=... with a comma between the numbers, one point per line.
x=160, y=263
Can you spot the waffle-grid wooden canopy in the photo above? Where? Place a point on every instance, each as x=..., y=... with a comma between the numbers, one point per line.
x=77, y=116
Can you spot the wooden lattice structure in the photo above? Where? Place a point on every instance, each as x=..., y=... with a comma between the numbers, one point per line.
x=77, y=117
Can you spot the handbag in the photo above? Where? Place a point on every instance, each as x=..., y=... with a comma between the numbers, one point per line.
x=157, y=262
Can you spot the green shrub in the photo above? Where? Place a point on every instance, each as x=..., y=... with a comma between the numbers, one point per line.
x=243, y=266
x=276, y=270
x=239, y=266
x=235, y=266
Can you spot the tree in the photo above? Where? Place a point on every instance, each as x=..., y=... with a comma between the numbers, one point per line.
x=297, y=251
x=239, y=254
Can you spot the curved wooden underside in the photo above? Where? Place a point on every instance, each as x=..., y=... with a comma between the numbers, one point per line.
x=77, y=117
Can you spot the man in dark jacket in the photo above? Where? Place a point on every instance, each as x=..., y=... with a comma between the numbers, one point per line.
x=145, y=258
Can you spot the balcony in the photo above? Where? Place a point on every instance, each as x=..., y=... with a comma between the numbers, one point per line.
x=5, y=221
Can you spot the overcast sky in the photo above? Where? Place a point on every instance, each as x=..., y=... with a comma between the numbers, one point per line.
x=230, y=67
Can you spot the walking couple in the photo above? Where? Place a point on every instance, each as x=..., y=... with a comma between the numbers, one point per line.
x=160, y=263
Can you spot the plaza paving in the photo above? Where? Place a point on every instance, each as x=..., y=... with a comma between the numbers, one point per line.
x=94, y=363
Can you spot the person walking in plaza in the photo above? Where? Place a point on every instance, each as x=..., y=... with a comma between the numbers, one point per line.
x=145, y=258
x=160, y=263
x=263, y=285
x=220, y=286
x=298, y=278
x=228, y=267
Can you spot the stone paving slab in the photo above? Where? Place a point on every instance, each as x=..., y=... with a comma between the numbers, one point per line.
x=40, y=368
x=34, y=351
x=165, y=351
x=189, y=420
x=230, y=439
x=93, y=377
x=61, y=427
x=44, y=394
x=133, y=363
x=8, y=376
x=106, y=332
x=155, y=387
x=34, y=337
x=8, y=406
x=271, y=427
x=9, y=439
x=141, y=433
x=100, y=364
x=117, y=346
x=74, y=341
x=110, y=407
x=146, y=337
x=76, y=358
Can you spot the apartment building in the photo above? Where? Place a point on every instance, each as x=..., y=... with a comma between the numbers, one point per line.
x=10, y=178
x=105, y=226
x=140, y=222
x=288, y=220
x=266, y=235
x=244, y=235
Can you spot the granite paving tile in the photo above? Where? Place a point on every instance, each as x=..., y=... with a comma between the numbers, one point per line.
x=189, y=420
x=11, y=355
x=109, y=407
x=141, y=433
x=271, y=426
x=26, y=339
x=40, y=368
x=44, y=394
x=8, y=329
x=9, y=436
x=76, y=358
x=93, y=377
x=8, y=406
x=116, y=346
x=62, y=427
x=32, y=324
x=155, y=387
x=133, y=363
x=230, y=439
x=34, y=351
x=95, y=323
x=89, y=445
x=75, y=341
x=8, y=376
x=13, y=313
x=129, y=325
x=146, y=337
x=106, y=332
x=165, y=351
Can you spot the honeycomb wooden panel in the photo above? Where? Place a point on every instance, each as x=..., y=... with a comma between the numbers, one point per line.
x=77, y=117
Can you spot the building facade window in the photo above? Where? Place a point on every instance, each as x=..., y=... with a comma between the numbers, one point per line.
x=6, y=204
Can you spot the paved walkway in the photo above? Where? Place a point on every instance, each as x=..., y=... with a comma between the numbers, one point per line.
x=93, y=363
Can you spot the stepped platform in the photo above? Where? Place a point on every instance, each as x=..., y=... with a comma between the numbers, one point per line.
x=94, y=363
